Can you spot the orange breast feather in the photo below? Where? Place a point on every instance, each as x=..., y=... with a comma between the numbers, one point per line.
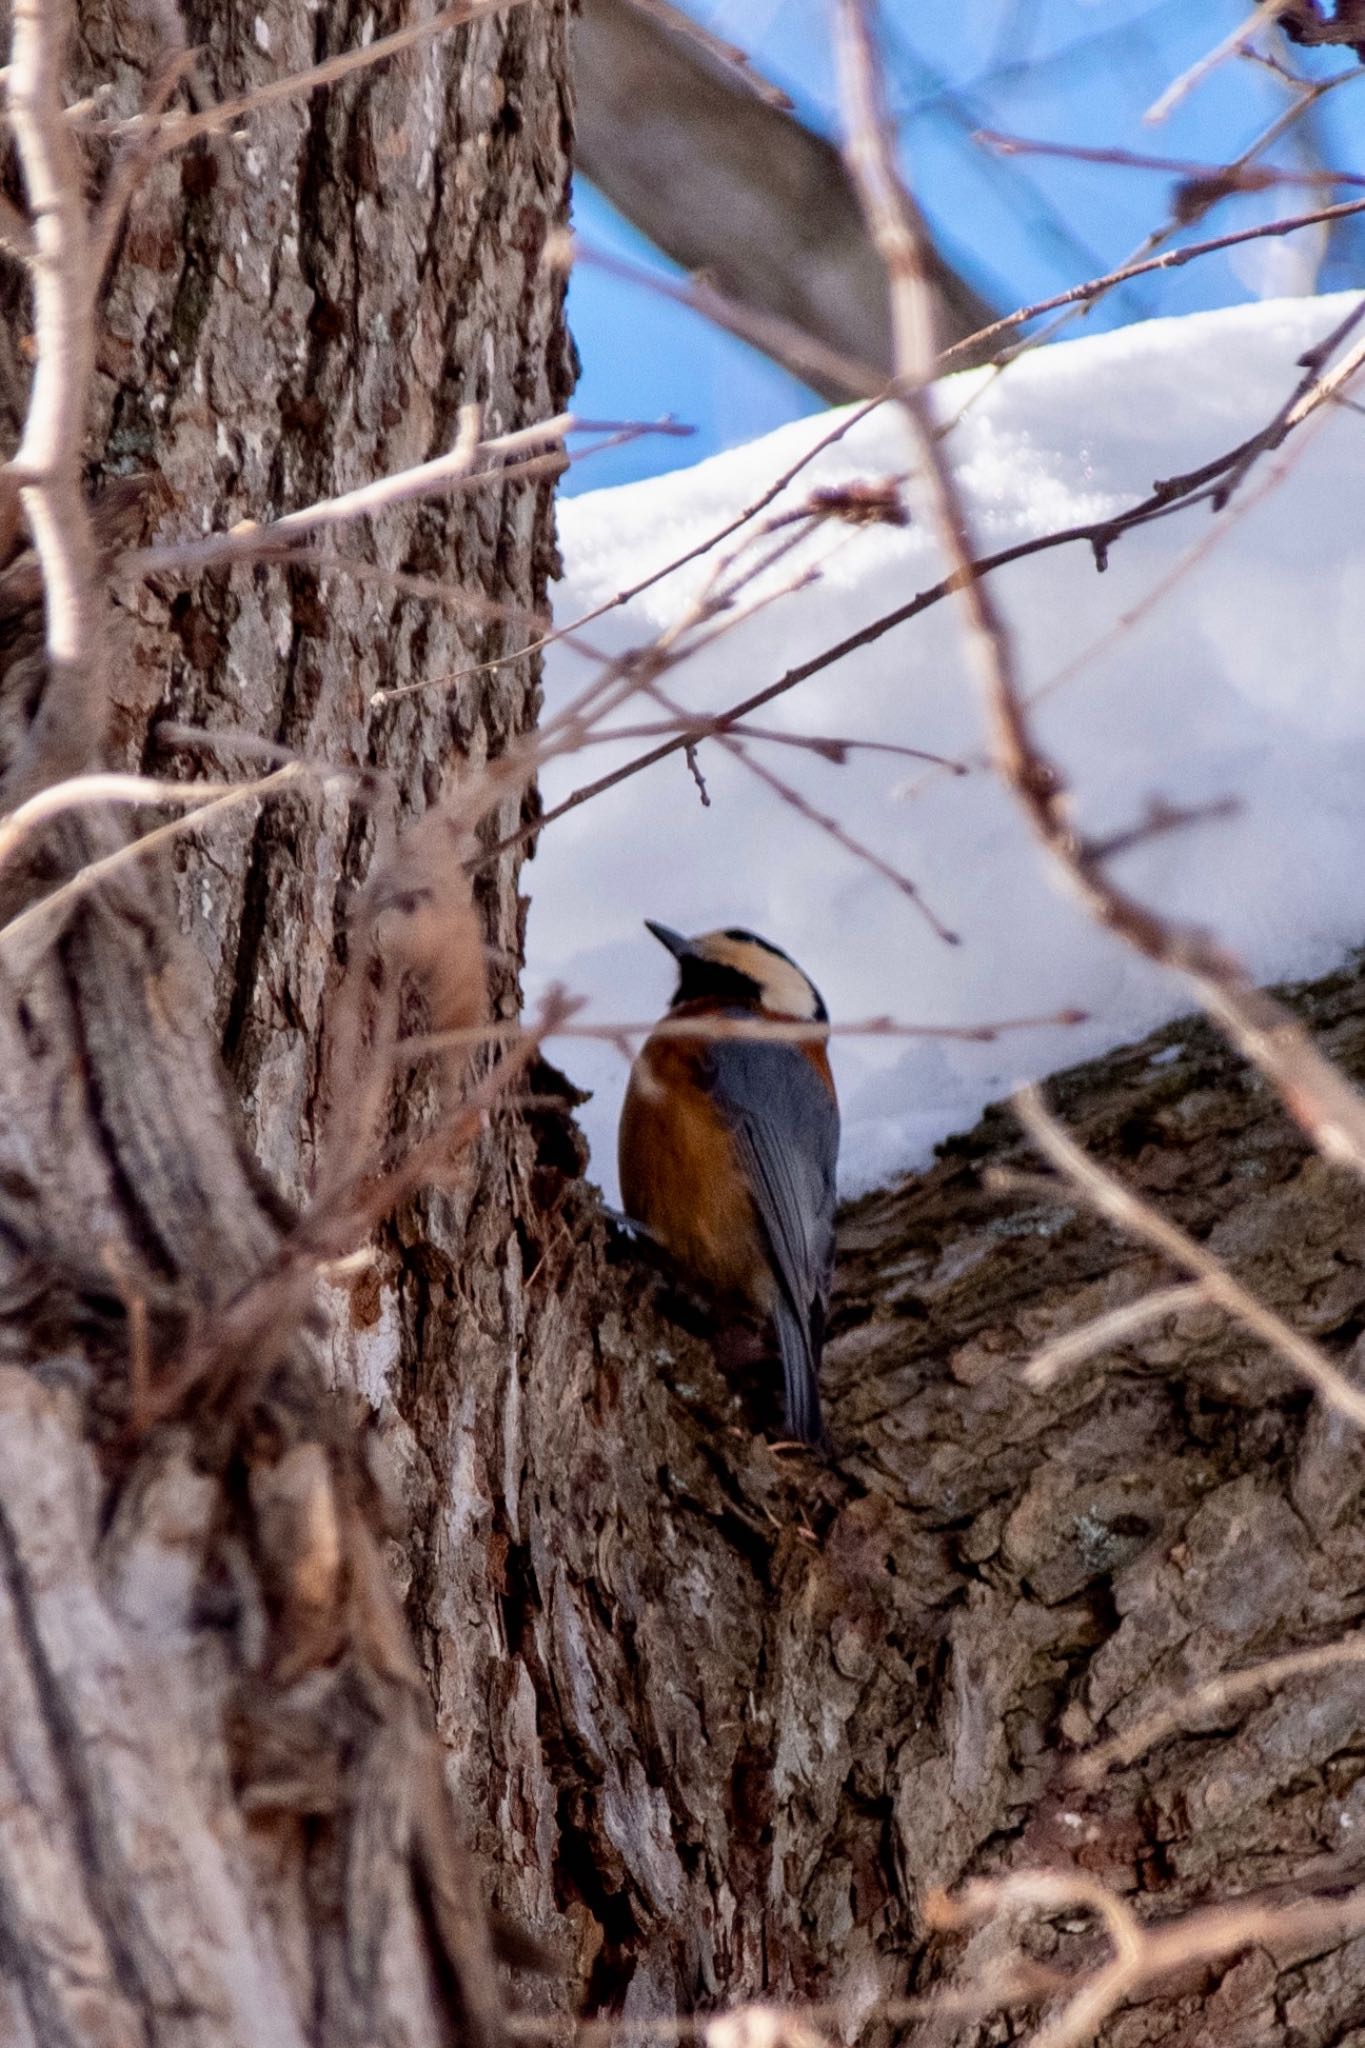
x=679, y=1178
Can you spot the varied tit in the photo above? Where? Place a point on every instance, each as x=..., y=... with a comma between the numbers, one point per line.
x=728, y=1146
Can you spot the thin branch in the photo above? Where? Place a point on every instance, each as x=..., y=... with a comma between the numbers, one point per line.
x=37, y=925
x=1168, y=497
x=1182, y=216
x=830, y=825
x=1098, y=534
x=842, y=426
x=1141, y=1955
x=721, y=1027
x=1107, y=1332
x=783, y=2026
x=811, y=360
x=1170, y=259
x=1100, y=1992
x=445, y=474
x=70, y=721
x=832, y=747
x=1211, y=1697
x=1317, y=1095
x=176, y=132
x=835, y=747
x=1227, y=177
x=80, y=792
x=1119, y=1205
x=1264, y=15
x=715, y=612
x=1315, y=388
x=1157, y=593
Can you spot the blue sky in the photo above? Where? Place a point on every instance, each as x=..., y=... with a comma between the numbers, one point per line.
x=1074, y=71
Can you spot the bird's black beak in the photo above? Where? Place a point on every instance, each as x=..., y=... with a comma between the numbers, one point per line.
x=677, y=945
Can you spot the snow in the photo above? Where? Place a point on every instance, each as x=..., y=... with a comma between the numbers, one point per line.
x=1243, y=679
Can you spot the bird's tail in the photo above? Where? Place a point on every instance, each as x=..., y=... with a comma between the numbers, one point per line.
x=799, y=1345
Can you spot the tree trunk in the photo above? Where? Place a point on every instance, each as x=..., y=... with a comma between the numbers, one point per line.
x=777, y=1704
x=221, y=1818
x=715, y=1721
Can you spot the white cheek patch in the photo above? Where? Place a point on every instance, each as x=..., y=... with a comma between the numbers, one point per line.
x=786, y=990
x=784, y=987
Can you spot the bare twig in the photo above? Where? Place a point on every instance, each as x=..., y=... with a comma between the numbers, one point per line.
x=715, y=611
x=828, y=824
x=721, y=1027
x=39, y=923
x=807, y=357
x=83, y=791
x=1264, y=15
x=1143, y=258
x=1329, y=1109
x=1171, y=579
x=694, y=770
x=1229, y=177
x=786, y=2026
x=444, y=474
x=781, y=2026
x=1168, y=497
x=1211, y=1697
x=1119, y=1205
x=834, y=747
x=1106, y=1332
x=1141, y=1955
x=842, y=426
x=176, y=132
x=1170, y=259
x=70, y=722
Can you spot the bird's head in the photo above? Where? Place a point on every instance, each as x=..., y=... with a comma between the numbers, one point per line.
x=740, y=970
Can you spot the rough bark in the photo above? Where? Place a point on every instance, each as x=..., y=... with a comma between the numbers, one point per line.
x=222, y=1813
x=776, y=1703
x=714, y=1719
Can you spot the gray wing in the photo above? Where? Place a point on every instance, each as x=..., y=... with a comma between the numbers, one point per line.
x=786, y=1127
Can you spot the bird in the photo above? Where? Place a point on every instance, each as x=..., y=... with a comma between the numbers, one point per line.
x=728, y=1145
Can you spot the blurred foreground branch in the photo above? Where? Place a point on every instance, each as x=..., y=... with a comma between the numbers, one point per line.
x=727, y=183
